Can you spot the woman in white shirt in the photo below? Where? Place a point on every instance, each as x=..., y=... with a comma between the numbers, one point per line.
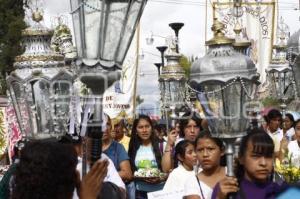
x=288, y=127
x=294, y=146
x=180, y=178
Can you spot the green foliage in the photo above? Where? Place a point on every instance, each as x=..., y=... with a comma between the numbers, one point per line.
x=270, y=102
x=186, y=65
x=11, y=26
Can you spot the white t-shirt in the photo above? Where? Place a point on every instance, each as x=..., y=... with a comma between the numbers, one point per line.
x=294, y=150
x=112, y=174
x=181, y=179
x=276, y=137
x=289, y=133
x=207, y=190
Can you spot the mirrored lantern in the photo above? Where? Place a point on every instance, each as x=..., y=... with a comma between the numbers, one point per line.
x=225, y=81
x=40, y=87
x=104, y=29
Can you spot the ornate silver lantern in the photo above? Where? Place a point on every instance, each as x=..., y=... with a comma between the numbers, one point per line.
x=225, y=81
x=294, y=58
x=40, y=86
x=172, y=81
x=280, y=74
x=103, y=32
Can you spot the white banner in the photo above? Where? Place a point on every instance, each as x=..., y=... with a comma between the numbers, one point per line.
x=258, y=21
x=119, y=98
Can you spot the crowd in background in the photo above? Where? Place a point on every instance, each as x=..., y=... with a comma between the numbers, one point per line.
x=193, y=160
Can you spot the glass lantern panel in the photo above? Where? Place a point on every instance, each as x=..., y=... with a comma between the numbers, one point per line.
x=77, y=20
x=19, y=97
x=281, y=84
x=61, y=105
x=104, y=28
x=133, y=14
x=223, y=105
x=177, y=92
x=40, y=107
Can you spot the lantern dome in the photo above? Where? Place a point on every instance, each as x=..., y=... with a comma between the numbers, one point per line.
x=221, y=63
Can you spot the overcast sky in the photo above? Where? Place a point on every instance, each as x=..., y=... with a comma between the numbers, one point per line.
x=156, y=17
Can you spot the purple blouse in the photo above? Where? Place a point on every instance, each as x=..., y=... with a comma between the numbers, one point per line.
x=254, y=190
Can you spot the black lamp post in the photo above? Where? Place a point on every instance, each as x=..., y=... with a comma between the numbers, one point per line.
x=162, y=50
x=158, y=66
x=176, y=27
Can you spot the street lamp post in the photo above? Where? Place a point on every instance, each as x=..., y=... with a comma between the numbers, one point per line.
x=162, y=50
x=225, y=81
x=158, y=66
x=176, y=27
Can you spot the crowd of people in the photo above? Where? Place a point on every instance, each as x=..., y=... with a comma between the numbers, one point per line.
x=193, y=161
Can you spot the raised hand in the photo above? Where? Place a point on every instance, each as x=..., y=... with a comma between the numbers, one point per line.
x=91, y=184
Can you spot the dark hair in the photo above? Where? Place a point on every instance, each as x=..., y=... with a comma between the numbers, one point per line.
x=46, y=170
x=262, y=145
x=291, y=117
x=135, y=143
x=180, y=150
x=206, y=135
x=296, y=122
x=69, y=139
x=272, y=114
x=184, y=122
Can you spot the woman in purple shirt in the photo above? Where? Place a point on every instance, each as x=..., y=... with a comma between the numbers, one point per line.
x=254, y=170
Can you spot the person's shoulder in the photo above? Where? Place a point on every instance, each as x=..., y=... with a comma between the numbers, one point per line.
x=126, y=138
x=292, y=144
x=105, y=157
x=118, y=145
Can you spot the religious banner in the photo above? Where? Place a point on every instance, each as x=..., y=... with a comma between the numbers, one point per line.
x=118, y=100
x=257, y=20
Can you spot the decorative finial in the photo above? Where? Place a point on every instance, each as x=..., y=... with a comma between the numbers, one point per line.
x=219, y=36
x=37, y=16
x=217, y=27
x=237, y=28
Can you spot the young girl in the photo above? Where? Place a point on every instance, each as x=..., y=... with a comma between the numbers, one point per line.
x=288, y=127
x=210, y=152
x=254, y=170
x=144, y=153
x=182, y=177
